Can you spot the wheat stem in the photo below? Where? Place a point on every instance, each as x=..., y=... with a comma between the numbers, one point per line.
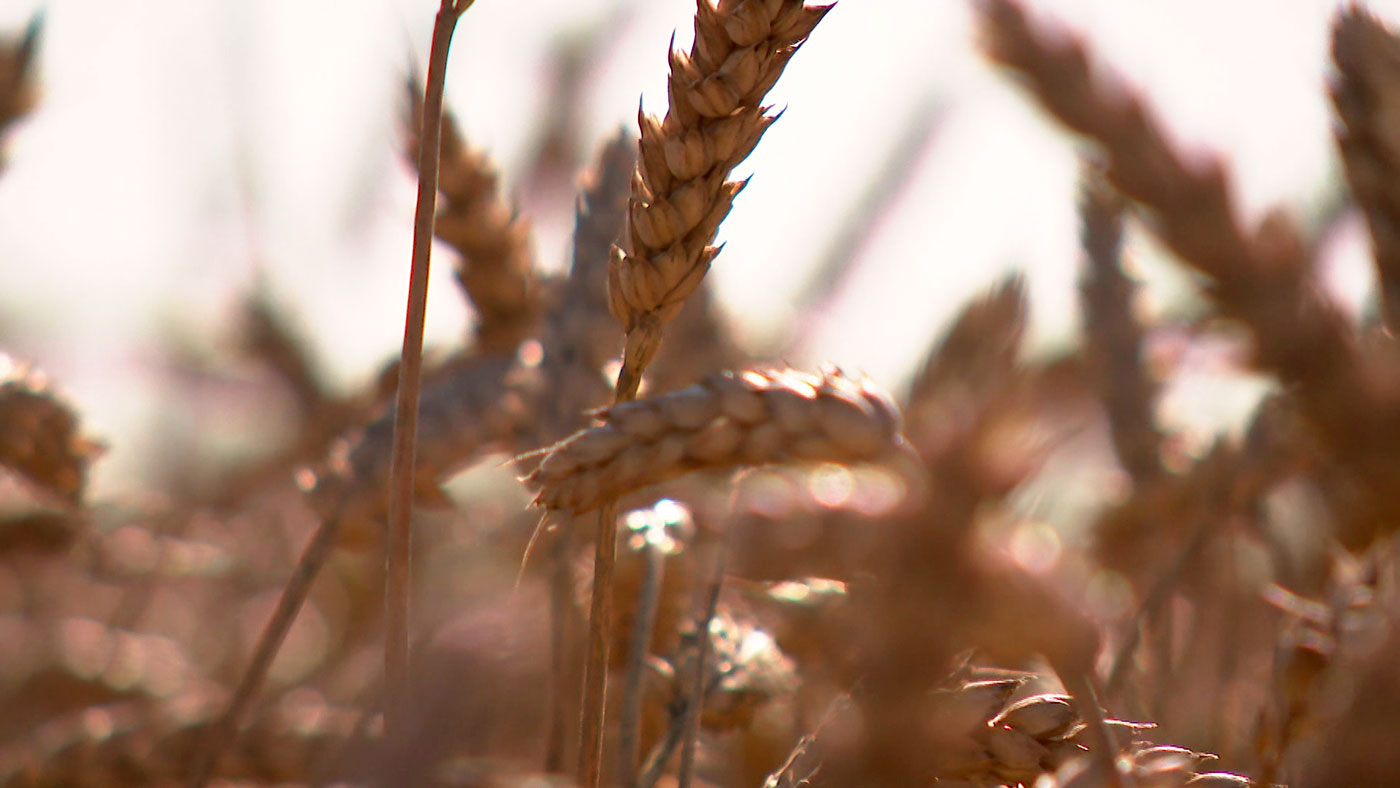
x=595, y=672
x=400, y=543
x=702, y=654
x=223, y=733
x=648, y=598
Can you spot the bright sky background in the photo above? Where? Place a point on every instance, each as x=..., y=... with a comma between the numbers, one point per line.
x=185, y=149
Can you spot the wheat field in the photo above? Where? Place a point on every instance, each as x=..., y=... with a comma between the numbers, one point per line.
x=628, y=550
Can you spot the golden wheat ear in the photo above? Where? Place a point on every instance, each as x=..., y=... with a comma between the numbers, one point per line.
x=680, y=193
x=751, y=418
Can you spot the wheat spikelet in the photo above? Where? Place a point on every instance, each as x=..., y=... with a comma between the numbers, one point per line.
x=751, y=418
x=600, y=220
x=496, y=270
x=983, y=727
x=1366, y=94
x=679, y=193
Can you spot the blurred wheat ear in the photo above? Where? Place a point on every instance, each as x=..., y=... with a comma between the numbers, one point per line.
x=1366, y=92
x=18, y=92
x=496, y=269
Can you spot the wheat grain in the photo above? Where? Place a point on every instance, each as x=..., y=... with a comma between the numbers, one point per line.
x=680, y=193
x=751, y=418
x=679, y=197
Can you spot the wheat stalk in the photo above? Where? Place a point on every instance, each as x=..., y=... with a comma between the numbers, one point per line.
x=402, y=458
x=752, y=418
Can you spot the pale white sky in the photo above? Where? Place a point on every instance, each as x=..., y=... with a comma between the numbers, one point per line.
x=185, y=148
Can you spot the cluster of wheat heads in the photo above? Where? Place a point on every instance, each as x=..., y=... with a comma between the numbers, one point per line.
x=796, y=578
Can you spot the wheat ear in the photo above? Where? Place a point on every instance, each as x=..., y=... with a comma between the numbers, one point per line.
x=680, y=193
x=399, y=541
x=496, y=269
x=1259, y=276
x=17, y=92
x=1366, y=94
x=578, y=336
x=752, y=418
x=1112, y=335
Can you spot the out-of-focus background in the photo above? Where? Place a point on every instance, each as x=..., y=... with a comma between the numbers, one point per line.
x=186, y=152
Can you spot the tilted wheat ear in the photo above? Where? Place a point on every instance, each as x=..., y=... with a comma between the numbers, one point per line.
x=751, y=418
x=680, y=192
